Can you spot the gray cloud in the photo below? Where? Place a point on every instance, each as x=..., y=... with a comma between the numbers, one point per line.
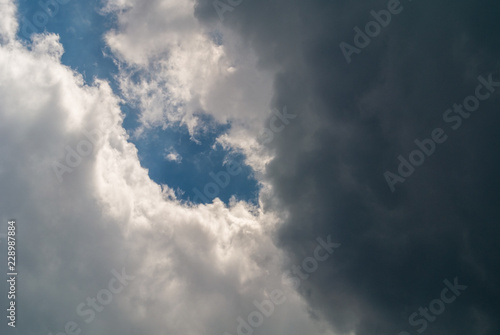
x=199, y=268
x=354, y=121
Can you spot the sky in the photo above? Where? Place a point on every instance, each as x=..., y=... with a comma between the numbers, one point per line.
x=249, y=167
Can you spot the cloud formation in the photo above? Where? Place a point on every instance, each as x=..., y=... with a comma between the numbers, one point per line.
x=199, y=269
x=196, y=269
x=355, y=119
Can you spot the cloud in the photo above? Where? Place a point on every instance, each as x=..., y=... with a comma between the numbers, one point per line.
x=172, y=155
x=196, y=268
x=173, y=68
x=9, y=25
x=199, y=268
x=354, y=120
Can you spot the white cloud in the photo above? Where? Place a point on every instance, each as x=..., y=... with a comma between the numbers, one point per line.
x=8, y=24
x=172, y=155
x=197, y=268
x=172, y=69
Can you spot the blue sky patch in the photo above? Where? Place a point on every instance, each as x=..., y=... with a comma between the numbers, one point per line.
x=198, y=173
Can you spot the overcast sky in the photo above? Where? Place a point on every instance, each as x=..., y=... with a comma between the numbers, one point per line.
x=203, y=167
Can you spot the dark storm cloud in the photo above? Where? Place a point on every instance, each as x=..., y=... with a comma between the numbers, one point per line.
x=354, y=121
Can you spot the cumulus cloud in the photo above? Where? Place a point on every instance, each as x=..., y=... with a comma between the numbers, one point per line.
x=8, y=26
x=196, y=269
x=354, y=121
x=172, y=155
x=175, y=69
